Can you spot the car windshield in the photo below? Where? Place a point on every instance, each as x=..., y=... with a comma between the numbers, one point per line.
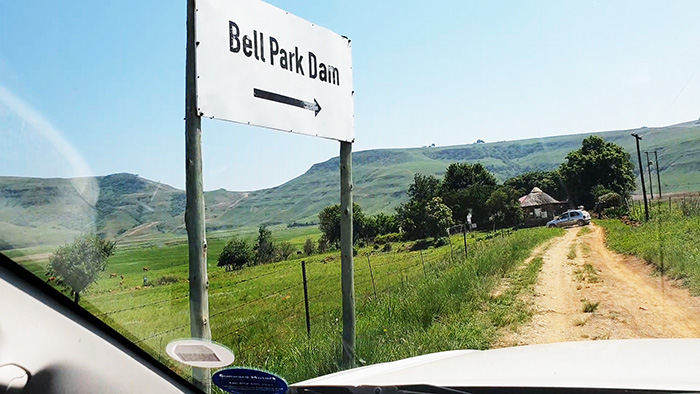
x=389, y=185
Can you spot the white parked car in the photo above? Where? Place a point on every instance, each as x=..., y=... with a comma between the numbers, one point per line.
x=572, y=217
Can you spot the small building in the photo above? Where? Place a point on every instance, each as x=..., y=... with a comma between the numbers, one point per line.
x=539, y=207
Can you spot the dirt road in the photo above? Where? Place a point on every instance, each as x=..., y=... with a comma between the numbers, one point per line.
x=632, y=302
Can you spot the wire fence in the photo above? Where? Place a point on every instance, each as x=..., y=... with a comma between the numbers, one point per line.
x=279, y=299
x=686, y=205
x=250, y=311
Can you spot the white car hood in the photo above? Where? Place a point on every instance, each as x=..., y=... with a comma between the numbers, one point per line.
x=662, y=364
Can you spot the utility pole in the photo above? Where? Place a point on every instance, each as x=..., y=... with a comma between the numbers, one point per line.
x=641, y=175
x=658, y=177
x=194, y=211
x=346, y=258
x=651, y=185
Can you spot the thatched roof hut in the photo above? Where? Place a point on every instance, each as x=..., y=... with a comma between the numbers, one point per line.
x=536, y=198
x=539, y=207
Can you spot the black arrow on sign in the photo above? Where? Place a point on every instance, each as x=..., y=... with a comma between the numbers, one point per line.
x=287, y=100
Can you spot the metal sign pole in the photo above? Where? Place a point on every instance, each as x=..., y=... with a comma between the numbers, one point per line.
x=194, y=211
x=238, y=79
x=347, y=278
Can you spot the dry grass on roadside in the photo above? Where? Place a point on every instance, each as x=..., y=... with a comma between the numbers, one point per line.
x=586, y=250
x=584, y=231
x=589, y=306
x=587, y=273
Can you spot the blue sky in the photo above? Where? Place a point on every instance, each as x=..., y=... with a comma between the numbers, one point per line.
x=92, y=88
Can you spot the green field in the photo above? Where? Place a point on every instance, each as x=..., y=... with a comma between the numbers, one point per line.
x=441, y=301
x=669, y=240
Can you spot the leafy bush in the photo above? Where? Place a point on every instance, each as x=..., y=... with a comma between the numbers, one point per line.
x=309, y=247
x=322, y=245
x=615, y=213
x=236, y=255
x=284, y=250
x=391, y=237
x=610, y=202
x=386, y=248
x=166, y=280
x=442, y=241
x=421, y=244
x=598, y=191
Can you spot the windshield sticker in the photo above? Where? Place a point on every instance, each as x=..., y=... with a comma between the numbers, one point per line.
x=200, y=353
x=249, y=381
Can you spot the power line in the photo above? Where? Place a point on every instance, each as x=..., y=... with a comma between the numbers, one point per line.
x=683, y=88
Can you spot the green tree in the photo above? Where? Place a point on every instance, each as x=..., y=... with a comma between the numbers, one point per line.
x=368, y=229
x=329, y=223
x=462, y=175
x=378, y=224
x=597, y=163
x=504, y=207
x=411, y=215
x=236, y=255
x=77, y=265
x=423, y=188
x=549, y=182
x=385, y=223
x=264, y=247
x=465, y=188
x=439, y=217
x=309, y=247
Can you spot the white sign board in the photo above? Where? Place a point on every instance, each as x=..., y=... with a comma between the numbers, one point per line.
x=259, y=65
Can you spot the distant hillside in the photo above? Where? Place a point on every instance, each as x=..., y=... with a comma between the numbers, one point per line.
x=382, y=176
x=52, y=211
x=36, y=211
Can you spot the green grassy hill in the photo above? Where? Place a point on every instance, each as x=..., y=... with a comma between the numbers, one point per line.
x=37, y=211
x=382, y=176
